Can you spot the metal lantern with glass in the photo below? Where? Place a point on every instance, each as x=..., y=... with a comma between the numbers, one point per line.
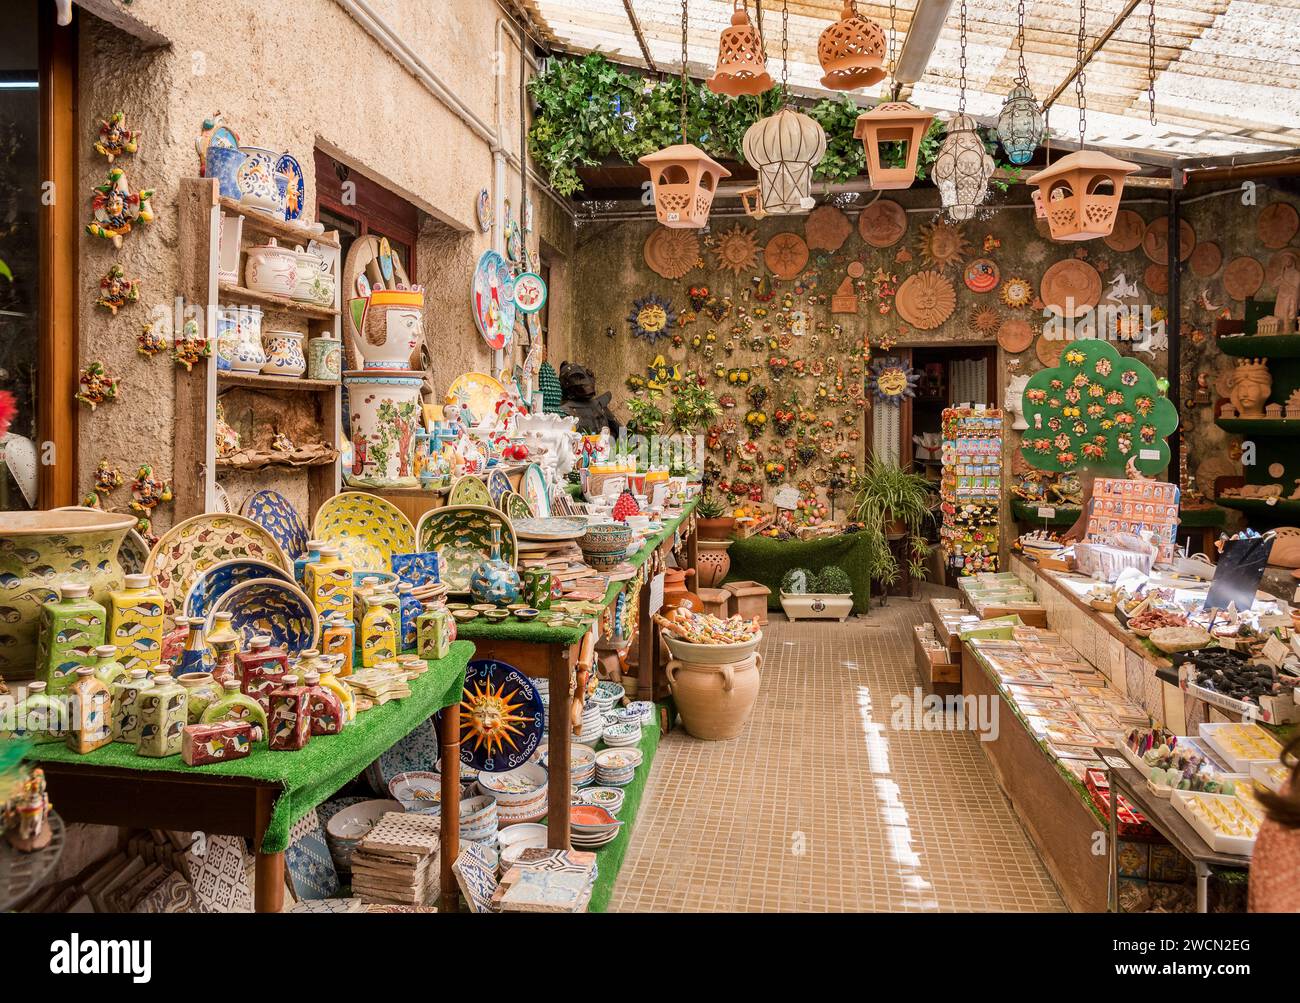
x=963, y=166
x=1020, y=123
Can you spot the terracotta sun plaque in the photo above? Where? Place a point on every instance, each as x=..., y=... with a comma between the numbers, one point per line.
x=942, y=244
x=1128, y=231
x=736, y=249
x=1278, y=223
x=1242, y=277
x=1155, y=241
x=785, y=255
x=671, y=253
x=925, y=300
x=883, y=223
x=1070, y=287
x=1156, y=278
x=1206, y=259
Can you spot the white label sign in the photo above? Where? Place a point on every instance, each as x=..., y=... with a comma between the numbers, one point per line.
x=786, y=497
x=1148, y=454
x=656, y=593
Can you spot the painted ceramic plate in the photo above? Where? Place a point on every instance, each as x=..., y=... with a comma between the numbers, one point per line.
x=296, y=195
x=501, y=717
x=462, y=534
x=498, y=485
x=515, y=506
x=276, y=514
x=533, y=488
x=280, y=610
x=469, y=490
x=191, y=547
x=479, y=390
x=219, y=579
x=484, y=209
x=417, y=569
x=366, y=528
x=492, y=299
x=549, y=528
x=514, y=242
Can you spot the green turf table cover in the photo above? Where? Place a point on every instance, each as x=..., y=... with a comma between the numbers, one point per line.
x=609, y=859
x=764, y=560
x=313, y=774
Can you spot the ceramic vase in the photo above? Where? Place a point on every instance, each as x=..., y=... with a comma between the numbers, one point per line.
x=495, y=581
x=283, y=354
x=712, y=562
x=715, y=701
x=329, y=679
x=108, y=670
x=126, y=705
x=310, y=556
x=538, y=583
x=235, y=705
x=384, y=414
x=379, y=629
x=324, y=359
x=41, y=716
x=72, y=627
x=195, y=656
x=163, y=717
x=135, y=623
x=409, y=609
x=328, y=584
x=202, y=691
x=270, y=268
x=223, y=163
x=260, y=669
x=260, y=186
x=223, y=642
x=434, y=632
x=324, y=709
x=91, y=707
x=239, y=339
x=289, y=720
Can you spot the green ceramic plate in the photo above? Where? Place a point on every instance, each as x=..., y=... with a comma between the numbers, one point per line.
x=463, y=535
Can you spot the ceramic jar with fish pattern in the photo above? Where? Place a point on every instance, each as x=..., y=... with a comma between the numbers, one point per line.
x=135, y=623
x=92, y=712
x=126, y=705
x=163, y=716
x=201, y=692
x=289, y=719
x=379, y=629
x=328, y=584
x=72, y=627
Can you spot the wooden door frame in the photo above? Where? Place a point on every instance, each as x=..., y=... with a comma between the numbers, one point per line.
x=375, y=208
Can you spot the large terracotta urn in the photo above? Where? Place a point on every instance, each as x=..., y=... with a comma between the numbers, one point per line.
x=715, y=701
x=383, y=416
x=712, y=562
x=41, y=551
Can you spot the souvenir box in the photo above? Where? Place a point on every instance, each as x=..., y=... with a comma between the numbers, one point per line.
x=216, y=743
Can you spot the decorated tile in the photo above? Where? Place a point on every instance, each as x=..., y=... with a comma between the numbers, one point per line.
x=308, y=863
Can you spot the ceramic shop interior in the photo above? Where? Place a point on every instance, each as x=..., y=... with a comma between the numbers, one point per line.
x=464, y=492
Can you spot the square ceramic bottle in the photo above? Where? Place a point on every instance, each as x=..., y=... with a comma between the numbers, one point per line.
x=135, y=623
x=260, y=668
x=91, y=706
x=72, y=626
x=289, y=721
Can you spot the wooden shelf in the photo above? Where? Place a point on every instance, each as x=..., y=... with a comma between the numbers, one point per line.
x=1260, y=426
x=1253, y=346
x=241, y=294
x=324, y=461
x=266, y=381
x=1258, y=506
x=278, y=228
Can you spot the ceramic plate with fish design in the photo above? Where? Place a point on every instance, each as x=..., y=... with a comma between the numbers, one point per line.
x=219, y=579
x=276, y=514
x=280, y=610
x=462, y=534
x=367, y=529
x=191, y=547
x=515, y=506
x=498, y=483
x=469, y=490
x=533, y=488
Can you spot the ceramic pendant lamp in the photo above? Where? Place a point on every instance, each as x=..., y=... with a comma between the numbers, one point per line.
x=851, y=51
x=963, y=166
x=892, y=122
x=683, y=178
x=1020, y=123
x=742, y=64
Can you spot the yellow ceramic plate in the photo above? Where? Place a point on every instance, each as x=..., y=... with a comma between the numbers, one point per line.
x=479, y=390
x=367, y=529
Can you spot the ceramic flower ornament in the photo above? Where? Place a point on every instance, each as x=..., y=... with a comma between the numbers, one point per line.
x=116, y=208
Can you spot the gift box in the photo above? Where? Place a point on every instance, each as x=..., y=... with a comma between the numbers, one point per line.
x=216, y=743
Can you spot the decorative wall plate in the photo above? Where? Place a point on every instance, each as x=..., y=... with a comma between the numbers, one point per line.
x=276, y=514
x=942, y=243
x=982, y=275
x=785, y=255
x=462, y=535
x=492, y=300
x=219, y=579
x=515, y=506
x=827, y=228
x=367, y=529
x=1017, y=293
x=1070, y=287
x=890, y=380
x=530, y=293
x=1205, y=259
x=501, y=717
x=1277, y=224
x=925, y=300
x=418, y=569
x=552, y=528
x=1288, y=257
x=498, y=484
x=1155, y=240
x=652, y=317
x=1015, y=335
x=1242, y=277
x=193, y=546
x=469, y=490
x=737, y=249
x=280, y=610
x=671, y=253
x=479, y=390
x=483, y=209
x=984, y=321
x=1049, y=350
x=533, y=487
x=1156, y=278
x=295, y=196
x=1127, y=233
x=883, y=223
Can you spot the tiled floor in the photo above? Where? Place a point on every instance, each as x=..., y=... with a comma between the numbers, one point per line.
x=822, y=805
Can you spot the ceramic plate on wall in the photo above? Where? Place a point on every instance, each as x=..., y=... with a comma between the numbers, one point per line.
x=533, y=488
x=479, y=390
x=492, y=299
x=367, y=529
x=498, y=483
x=219, y=579
x=501, y=717
x=469, y=490
x=280, y=610
x=276, y=514
x=462, y=535
x=191, y=547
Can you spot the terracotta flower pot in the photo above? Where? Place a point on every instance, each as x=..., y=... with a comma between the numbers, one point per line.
x=715, y=529
x=713, y=562
x=715, y=701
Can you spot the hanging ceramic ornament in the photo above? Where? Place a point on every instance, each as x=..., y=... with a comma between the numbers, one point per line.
x=981, y=275
x=1277, y=224
x=1017, y=293
x=116, y=208
x=97, y=387
x=742, y=65
x=483, y=209
x=1015, y=335
x=942, y=244
x=784, y=148
x=651, y=317
x=1205, y=260
x=736, y=249
x=891, y=380
x=1155, y=240
x=827, y=228
x=530, y=293
x=925, y=300
x=116, y=290
x=1242, y=277
x=1126, y=235
x=851, y=51
x=492, y=299
x=1070, y=288
x=115, y=139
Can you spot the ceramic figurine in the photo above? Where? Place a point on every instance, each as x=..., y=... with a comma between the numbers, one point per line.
x=434, y=632
x=391, y=327
x=72, y=627
x=41, y=716
x=310, y=556
x=289, y=719
x=196, y=656
x=189, y=348
x=237, y=706
x=379, y=626
x=115, y=139
x=201, y=691
x=260, y=668
x=324, y=709
x=1249, y=387
x=324, y=359
x=91, y=705
x=163, y=716
x=495, y=581
x=126, y=705
x=409, y=609
x=148, y=491
x=216, y=743
x=328, y=584
x=116, y=290
x=329, y=679
x=27, y=813
x=97, y=387
x=224, y=645
x=108, y=670
x=135, y=623
x=116, y=208
x=338, y=637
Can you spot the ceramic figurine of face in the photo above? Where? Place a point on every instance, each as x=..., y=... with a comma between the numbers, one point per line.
x=1249, y=388
x=392, y=328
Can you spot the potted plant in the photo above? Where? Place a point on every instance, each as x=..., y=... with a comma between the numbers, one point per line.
x=892, y=504
x=711, y=520
x=826, y=595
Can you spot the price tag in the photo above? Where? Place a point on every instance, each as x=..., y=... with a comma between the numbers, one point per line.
x=1046, y=512
x=1268, y=621
x=786, y=497
x=1275, y=651
x=1148, y=454
x=656, y=593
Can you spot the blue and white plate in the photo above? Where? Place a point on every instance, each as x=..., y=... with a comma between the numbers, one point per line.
x=501, y=716
x=276, y=514
x=418, y=569
x=498, y=483
x=219, y=579
x=295, y=197
x=280, y=610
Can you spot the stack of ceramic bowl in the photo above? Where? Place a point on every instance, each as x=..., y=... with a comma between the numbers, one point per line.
x=617, y=767
x=350, y=826
x=520, y=793
x=606, y=695
x=418, y=790
x=609, y=798
x=478, y=820
x=605, y=544
x=644, y=708
x=582, y=763
x=518, y=838
x=592, y=826
x=593, y=723
x=625, y=733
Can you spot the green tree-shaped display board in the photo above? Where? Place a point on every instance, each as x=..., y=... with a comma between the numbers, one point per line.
x=1097, y=409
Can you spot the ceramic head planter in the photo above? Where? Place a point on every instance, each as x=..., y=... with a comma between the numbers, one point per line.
x=1249, y=387
x=389, y=328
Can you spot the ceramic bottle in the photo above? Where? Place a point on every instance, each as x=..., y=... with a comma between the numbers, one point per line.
x=41, y=716
x=494, y=580
x=126, y=705
x=201, y=691
x=329, y=679
x=324, y=709
x=163, y=716
x=328, y=583
x=135, y=623
x=91, y=706
x=260, y=668
x=338, y=635
x=223, y=642
x=289, y=720
x=72, y=626
x=310, y=556
x=379, y=629
x=195, y=656
x=108, y=670
x=435, y=632
x=409, y=609
x=235, y=705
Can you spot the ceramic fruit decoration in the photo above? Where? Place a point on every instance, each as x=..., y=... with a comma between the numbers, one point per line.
x=116, y=208
x=625, y=506
x=651, y=317
x=115, y=139
x=116, y=290
x=97, y=386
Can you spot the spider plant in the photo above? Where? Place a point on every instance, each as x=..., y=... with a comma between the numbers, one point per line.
x=890, y=504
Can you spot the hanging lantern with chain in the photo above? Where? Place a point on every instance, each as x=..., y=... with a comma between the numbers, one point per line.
x=784, y=148
x=851, y=51
x=963, y=166
x=1080, y=193
x=1020, y=123
x=892, y=122
x=683, y=178
x=742, y=63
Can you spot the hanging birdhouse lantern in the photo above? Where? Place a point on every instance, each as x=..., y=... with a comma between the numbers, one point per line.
x=684, y=180
x=962, y=169
x=784, y=148
x=1080, y=194
x=887, y=124
x=1020, y=124
x=742, y=64
x=851, y=51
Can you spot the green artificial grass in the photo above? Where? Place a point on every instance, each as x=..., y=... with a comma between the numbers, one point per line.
x=313, y=774
x=764, y=560
x=609, y=859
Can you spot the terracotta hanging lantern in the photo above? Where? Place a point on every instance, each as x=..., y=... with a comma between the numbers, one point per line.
x=892, y=122
x=1080, y=194
x=742, y=64
x=1020, y=124
x=784, y=148
x=962, y=169
x=852, y=51
x=684, y=180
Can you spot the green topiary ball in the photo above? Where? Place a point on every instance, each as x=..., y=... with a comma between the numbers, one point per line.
x=833, y=580
x=796, y=581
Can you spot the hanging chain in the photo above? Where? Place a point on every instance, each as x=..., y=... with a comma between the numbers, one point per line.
x=1023, y=77
x=684, y=56
x=893, y=86
x=961, y=94
x=1080, y=78
x=1151, y=59
x=785, y=50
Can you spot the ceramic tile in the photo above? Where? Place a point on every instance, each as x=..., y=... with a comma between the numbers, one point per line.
x=308, y=864
x=218, y=870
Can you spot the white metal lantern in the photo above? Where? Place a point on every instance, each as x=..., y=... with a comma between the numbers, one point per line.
x=1020, y=124
x=784, y=148
x=962, y=169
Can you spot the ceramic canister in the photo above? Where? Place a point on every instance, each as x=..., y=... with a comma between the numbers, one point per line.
x=259, y=186
x=384, y=413
x=271, y=268
x=135, y=623
x=324, y=358
x=283, y=353
x=239, y=339
x=72, y=627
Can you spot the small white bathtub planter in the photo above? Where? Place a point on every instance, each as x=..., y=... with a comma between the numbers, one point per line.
x=817, y=605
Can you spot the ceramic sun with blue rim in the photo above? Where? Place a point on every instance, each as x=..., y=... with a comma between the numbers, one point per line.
x=276, y=514
x=501, y=716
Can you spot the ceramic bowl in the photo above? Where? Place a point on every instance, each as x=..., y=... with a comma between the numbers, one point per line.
x=278, y=609
x=497, y=615
x=605, y=544
x=622, y=734
x=590, y=816
x=465, y=615
x=417, y=787
x=219, y=579
x=345, y=830
x=514, y=787
x=711, y=654
x=526, y=614
x=618, y=759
